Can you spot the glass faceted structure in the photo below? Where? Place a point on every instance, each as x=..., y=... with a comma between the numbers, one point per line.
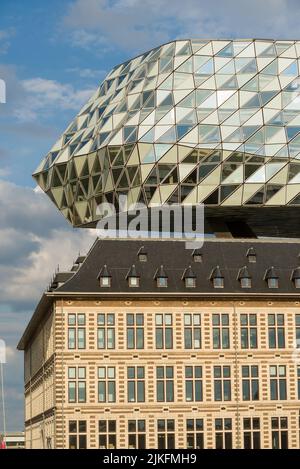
x=193, y=121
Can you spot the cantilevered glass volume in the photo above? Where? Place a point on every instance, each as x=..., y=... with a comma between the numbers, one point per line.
x=193, y=121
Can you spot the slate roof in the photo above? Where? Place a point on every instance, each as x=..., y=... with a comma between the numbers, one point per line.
x=227, y=256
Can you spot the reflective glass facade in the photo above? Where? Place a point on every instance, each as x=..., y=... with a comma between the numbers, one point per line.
x=192, y=121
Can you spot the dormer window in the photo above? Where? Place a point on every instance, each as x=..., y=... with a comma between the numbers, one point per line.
x=251, y=255
x=197, y=256
x=189, y=278
x=133, y=281
x=142, y=255
x=245, y=282
x=104, y=277
x=105, y=281
x=217, y=278
x=244, y=277
x=272, y=278
x=133, y=278
x=161, y=278
x=296, y=277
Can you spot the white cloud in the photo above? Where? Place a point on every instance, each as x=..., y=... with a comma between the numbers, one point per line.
x=87, y=72
x=38, y=99
x=5, y=38
x=43, y=96
x=34, y=240
x=134, y=25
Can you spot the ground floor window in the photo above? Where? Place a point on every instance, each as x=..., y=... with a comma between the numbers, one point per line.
x=251, y=427
x=194, y=434
x=77, y=434
x=166, y=434
x=136, y=434
x=107, y=434
x=279, y=427
x=223, y=433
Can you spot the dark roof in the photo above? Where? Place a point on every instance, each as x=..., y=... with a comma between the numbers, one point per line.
x=251, y=252
x=132, y=272
x=104, y=272
x=296, y=273
x=142, y=251
x=244, y=273
x=229, y=256
x=80, y=259
x=216, y=273
x=271, y=273
x=160, y=273
x=120, y=256
x=60, y=278
x=188, y=273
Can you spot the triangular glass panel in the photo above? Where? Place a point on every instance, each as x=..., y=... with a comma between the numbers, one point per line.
x=152, y=178
x=226, y=191
x=185, y=191
x=169, y=136
x=271, y=69
x=191, y=178
x=189, y=101
x=148, y=137
x=164, y=170
x=185, y=50
x=172, y=178
x=205, y=169
x=226, y=52
x=291, y=132
x=253, y=102
x=191, y=157
x=266, y=96
x=209, y=134
x=230, y=84
x=212, y=199
x=291, y=70
x=116, y=174
x=257, y=199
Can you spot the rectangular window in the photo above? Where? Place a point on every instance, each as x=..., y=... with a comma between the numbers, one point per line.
x=192, y=331
x=220, y=331
x=136, y=384
x=248, y=331
x=76, y=384
x=276, y=330
x=106, y=331
x=76, y=331
x=278, y=382
x=279, y=427
x=250, y=383
x=136, y=434
x=163, y=331
x=135, y=331
x=166, y=434
x=251, y=427
x=223, y=433
x=164, y=384
x=77, y=434
x=193, y=384
x=194, y=434
x=107, y=434
x=298, y=381
x=106, y=384
x=222, y=383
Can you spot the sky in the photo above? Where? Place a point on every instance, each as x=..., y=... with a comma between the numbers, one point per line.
x=53, y=55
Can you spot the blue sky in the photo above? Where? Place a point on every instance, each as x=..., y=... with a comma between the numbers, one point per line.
x=53, y=54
